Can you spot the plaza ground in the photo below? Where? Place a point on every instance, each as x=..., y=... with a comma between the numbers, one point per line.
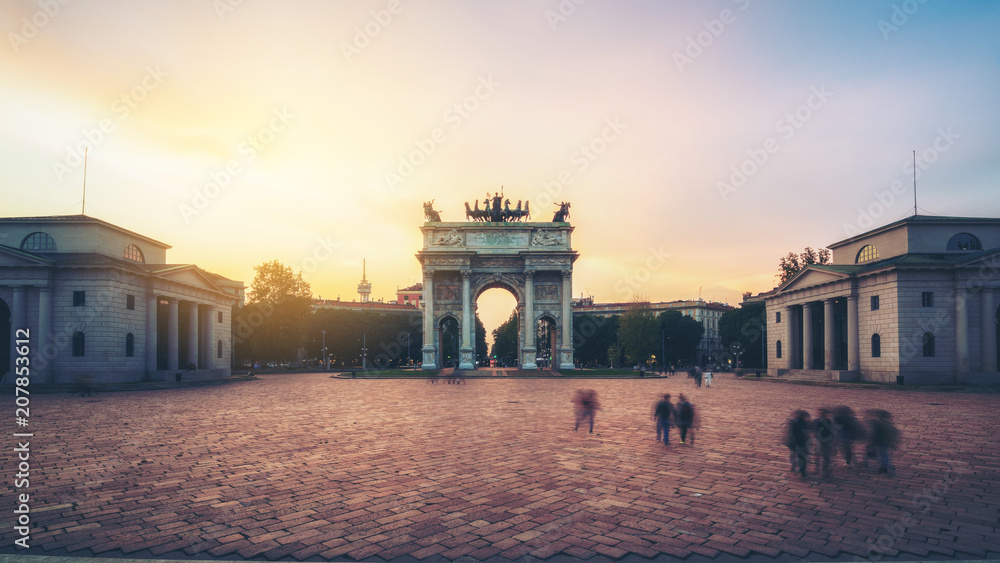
x=309, y=467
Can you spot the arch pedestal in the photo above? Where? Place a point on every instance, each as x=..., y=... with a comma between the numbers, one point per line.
x=533, y=261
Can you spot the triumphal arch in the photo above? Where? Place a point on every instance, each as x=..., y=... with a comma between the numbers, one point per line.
x=496, y=247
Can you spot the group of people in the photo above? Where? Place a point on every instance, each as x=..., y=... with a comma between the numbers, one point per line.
x=698, y=375
x=839, y=426
x=666, y=415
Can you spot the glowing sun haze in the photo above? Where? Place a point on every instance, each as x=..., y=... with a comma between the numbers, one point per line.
x=707, y=138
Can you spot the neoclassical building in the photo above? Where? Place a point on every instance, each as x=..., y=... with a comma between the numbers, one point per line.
x=916, y=298
x=102, y=301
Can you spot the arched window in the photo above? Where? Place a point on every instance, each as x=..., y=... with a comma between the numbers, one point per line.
x=964, y=241
x=78, y=344
x=928, y=345
x=777, y=349
x=868, y=252
x=38, y=241
x=133, y=253
x=876, y=346
x=129, y=345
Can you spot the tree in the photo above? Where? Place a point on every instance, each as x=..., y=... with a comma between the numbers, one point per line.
x=639, y=331
x=681, y=336
x=593, y=337
x=793, y=264
x=743, y=332
x=505, y=341
x=393, y=339
x=482, y=349
x=272, y=327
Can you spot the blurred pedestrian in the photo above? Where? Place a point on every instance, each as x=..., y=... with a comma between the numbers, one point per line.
x=884, y=436
x=824, y=433
x=586, y=404
x=708, y=378
x=663, y=414
x=797, y=440
x=685, y=418
x=849, y=430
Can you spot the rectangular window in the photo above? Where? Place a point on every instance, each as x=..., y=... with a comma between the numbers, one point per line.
x=220, y=316
x=874, y=302
x=777, y=317
x=130, y=302
x=79, y=298
x=927, y=299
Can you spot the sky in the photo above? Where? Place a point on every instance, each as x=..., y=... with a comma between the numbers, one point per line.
x=697, y=141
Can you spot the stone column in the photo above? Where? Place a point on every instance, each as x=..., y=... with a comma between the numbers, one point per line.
x=44, y=350
x=429, y=350
x=466, y=353
x=151, y=308
x=807, y=349
x=829, y=343
x=18, y=320
x=988, y=322
x=961, y=331
x=853, y=342
x=193, y=335
x=529, y=350
x=787, y=348
x=172, y=335
x=210, y=348
x=566, y=351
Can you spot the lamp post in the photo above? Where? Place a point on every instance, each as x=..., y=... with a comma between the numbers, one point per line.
x=364, y=351
x=324, y=349
x=409, y=360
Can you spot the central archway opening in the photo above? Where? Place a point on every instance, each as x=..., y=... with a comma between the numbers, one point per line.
x=496, y=308
x=545, y=342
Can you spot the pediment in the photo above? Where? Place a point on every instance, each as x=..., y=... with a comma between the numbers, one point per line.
x=809, y=277
x=13, y=258
x=189, y=275
x=989, y=259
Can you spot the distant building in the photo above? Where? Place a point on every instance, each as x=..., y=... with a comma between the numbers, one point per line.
x=411, y=295
x=102, y=302
x=365, y=287
x=915, y=299
x=705, y=312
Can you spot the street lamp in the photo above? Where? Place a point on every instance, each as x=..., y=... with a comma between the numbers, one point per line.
x=364, y=351
x=324, y=349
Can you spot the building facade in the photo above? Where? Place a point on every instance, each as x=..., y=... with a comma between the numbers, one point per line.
x=103, y=302
x=915, y=299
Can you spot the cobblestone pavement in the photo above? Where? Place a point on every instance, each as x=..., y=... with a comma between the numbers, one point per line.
x=304, y=466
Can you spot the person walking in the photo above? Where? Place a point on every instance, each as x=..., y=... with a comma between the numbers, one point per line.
x=708, y=378
x=663, y=414
x=825, y=434
x=849, y=429
x=685, y=418
x=884, y=436
x=586, y=405
x=797, y=441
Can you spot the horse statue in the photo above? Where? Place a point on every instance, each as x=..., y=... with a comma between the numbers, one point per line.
x=507, y=213
x=562, y=214
x=474, y=214
x=430, y=215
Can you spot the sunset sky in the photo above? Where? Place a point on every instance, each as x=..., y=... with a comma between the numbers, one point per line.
x=698, y=141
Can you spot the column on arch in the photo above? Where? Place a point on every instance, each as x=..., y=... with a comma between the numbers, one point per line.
x=988, y=322
x=44, y=350
x=528, y=352
x=829, y=343
x=961, y=331
x=429, y=351
x=807, y=336
x=566, y=352
x=173, y=335
x=193, y=335
x=853, y=341
x=151, y=310
x=468, y=326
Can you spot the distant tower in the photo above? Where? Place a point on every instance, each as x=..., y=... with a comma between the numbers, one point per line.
x=365, y=287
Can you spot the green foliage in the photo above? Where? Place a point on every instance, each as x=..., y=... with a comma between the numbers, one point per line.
x=271, y=327
x=680, y=337
x=505, y=341
x=482, y=349
x=393, y=339
x=639, y=331
x=593, y=338
x=793, y=264
x=742, y=332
